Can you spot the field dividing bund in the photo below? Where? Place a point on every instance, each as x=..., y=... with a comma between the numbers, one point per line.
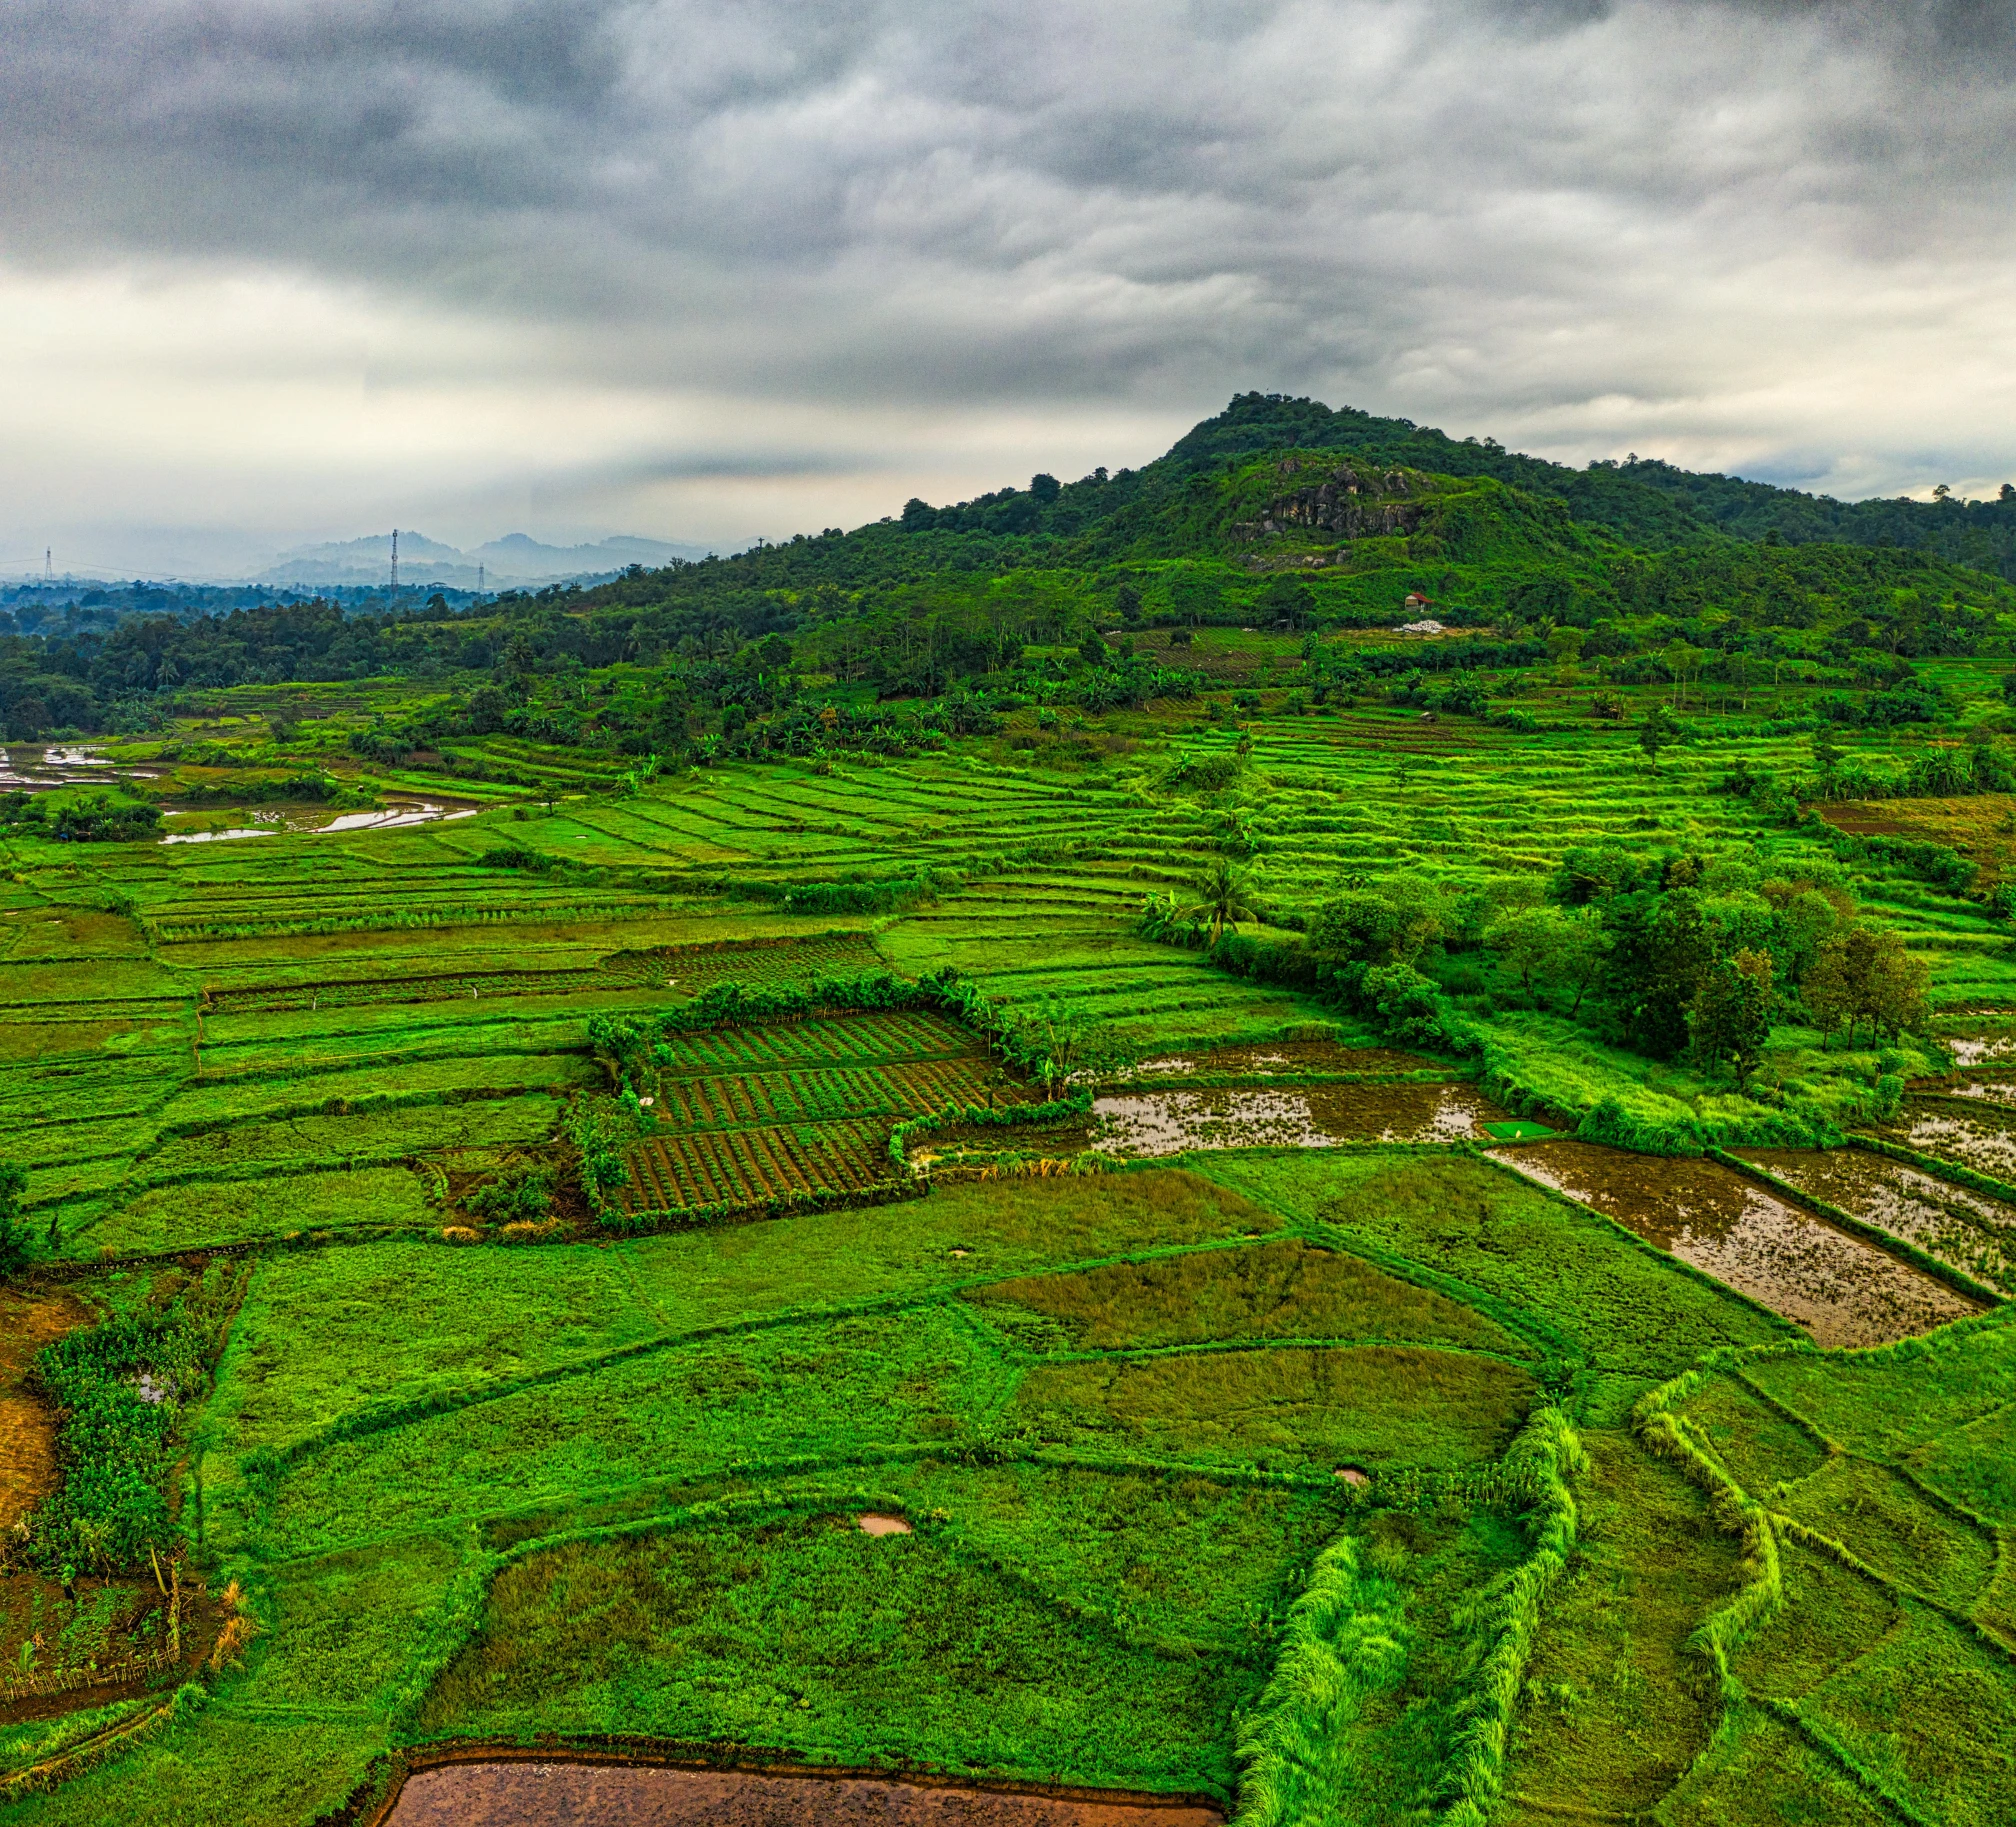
x=1883, y=1578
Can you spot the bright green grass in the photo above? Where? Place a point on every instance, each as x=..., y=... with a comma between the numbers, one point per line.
x=810, y=1637
x=1033, y=1371
x=272, y=1205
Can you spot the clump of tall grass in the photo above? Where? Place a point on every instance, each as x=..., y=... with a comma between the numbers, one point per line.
x=1346, y=1641
x=1667, y=1432
x=1509, y=1613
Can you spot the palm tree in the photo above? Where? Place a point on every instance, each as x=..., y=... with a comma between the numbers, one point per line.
x=1221, y=899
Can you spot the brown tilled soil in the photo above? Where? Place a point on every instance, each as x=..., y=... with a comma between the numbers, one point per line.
x=535, y=1794
x=27, y=1427
x=1979, y=825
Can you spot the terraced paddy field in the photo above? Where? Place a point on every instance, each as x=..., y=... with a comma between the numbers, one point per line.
x=402, y=1372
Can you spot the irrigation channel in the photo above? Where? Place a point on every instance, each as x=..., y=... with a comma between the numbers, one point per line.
x=550, y=1792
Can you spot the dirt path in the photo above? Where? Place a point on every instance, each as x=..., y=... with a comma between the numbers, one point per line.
x=27, y=1428
x=525, y=1793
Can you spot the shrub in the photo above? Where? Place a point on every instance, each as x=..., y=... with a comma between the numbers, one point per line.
x=121, y=1387
x=1406, y=1003
x=516, y=856
x=522, y=1191
x=1212, y=772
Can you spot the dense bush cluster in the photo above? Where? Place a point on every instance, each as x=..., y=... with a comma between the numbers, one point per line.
x=120, y=1388
x=80, y=817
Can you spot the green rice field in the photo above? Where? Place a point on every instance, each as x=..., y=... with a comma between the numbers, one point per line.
x=1181, y=1244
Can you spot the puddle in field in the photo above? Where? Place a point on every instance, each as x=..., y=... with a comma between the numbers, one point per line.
x=318, y=822
x=513, y=1793
x=1987, y=1090
x=1842, y=1290
x=1986, y=1143
x=1167, y=1122
x=873, y=1522
x=1970, y=1230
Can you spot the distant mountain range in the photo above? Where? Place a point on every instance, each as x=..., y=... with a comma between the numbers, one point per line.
x=514, y=560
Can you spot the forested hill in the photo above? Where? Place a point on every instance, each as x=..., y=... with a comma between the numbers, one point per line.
x=1643, y=501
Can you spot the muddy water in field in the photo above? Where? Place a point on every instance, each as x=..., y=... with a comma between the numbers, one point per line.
x=510, y=1793
x=1981, y=1049
x=1987, y=1090
x=1167, y=1122
x=1842, y=1290
x=1970, y=1230
x=1986, y=1143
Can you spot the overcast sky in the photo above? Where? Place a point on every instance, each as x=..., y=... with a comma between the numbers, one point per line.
x=277, y=270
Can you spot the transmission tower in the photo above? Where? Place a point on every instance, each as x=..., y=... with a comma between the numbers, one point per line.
x=479, y=580
x=48, y=566
x=395, y=561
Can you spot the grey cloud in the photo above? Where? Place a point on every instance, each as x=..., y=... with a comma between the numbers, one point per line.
x=1518, y=206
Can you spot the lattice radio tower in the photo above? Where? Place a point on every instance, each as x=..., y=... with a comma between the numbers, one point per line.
x=395, y=561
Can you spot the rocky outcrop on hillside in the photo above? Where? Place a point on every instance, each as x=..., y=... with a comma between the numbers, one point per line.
x=1348, y=504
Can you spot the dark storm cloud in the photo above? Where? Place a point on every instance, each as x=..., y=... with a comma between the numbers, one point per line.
x=1529, y=207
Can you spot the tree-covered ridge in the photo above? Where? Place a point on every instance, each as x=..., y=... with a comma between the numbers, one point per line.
x=1643, y=500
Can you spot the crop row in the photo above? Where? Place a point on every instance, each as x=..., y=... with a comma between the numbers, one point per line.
x=821, y=1095
x=259, y=999
x=747, y=1166
x=844, y=1040
x=692, y=967
x=325, y=917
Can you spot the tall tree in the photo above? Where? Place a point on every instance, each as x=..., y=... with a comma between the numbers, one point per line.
x=1221, y=898
x=1729, y=1018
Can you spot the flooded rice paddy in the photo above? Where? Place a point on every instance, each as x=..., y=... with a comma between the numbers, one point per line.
x=38, y=768
x=1987, y=1090
x=318, y=821
x=1971, y=1231
x=1980, y=1049
x=1984, y=1142
x=1842, y=1290
x=525, y=1793
x=1320, y=1116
